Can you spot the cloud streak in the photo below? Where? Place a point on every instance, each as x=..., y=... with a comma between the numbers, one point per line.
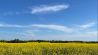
x=54, y=27
x=38, y=9
x=85, y=26
x=10, y=25
x=69, y=32
x=61, y=28
x=46, y=8
x=10, y=13
x=86, y=36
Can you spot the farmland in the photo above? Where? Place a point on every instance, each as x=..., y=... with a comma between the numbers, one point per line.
x=48, y=49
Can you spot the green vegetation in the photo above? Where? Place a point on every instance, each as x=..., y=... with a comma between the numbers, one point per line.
x=45, y=41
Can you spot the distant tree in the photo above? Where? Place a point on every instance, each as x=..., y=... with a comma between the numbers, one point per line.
x=2, y=41
x=16, y=41
x=38, y=41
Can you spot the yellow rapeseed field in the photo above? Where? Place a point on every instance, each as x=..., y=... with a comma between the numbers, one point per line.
x=48, y=49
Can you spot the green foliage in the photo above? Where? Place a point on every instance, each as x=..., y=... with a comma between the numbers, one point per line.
x=49, y=41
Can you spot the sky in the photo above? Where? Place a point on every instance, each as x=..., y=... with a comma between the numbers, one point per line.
x=48, y=20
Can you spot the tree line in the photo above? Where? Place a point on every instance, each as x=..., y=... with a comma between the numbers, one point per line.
x=49, y=41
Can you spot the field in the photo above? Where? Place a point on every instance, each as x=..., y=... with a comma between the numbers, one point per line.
x=48, y=49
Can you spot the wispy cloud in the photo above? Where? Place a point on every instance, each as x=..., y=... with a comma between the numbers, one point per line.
x=86, y=36
x=10, y=25
x=54, y=27
x=10, y=13
x=47, y=8
x=85, y=26
x=50, y=26
x=69, y=32
x=38, y=9
x=62, y=28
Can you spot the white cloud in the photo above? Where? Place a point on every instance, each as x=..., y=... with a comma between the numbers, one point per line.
x=10, y=13
x=40, y=9
x=85, y=36
x=62, y=28
x=54, y=27
x=52, y=8
x=92, y=33
x=9, y=25
x=86, y=26
x=69, y=32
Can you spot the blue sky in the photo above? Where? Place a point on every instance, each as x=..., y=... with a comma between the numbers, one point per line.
x=48, y=19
